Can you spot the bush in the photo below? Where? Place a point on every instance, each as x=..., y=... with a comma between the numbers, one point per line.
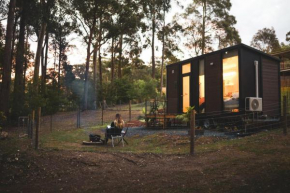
x=2, y=120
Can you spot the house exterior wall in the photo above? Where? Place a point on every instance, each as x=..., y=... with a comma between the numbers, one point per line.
x=247, y=75
x=213, y=83
x=173, y=74
x=194, y=86
x=271, y=92
x=269, y=77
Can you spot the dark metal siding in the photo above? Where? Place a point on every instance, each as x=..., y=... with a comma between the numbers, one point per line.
x=213, y=83
x=194, y=85
x=172, y=89
x=270, y=79
x=247, y=75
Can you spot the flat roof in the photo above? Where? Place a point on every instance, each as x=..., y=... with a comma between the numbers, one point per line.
x=226, y=49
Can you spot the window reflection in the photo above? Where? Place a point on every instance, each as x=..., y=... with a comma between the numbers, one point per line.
x=201, y=87
x=231, y=81
x=186, y=68
x=186, y=93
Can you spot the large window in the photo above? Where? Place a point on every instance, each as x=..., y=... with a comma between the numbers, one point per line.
x=186, y=68
x=231, y=81
x=185, y=93
x=201, y=87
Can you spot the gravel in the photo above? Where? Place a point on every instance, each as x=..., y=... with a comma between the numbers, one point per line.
x=142, y=131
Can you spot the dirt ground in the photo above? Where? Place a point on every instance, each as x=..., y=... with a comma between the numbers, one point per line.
x=247, y=165
x=259, y=163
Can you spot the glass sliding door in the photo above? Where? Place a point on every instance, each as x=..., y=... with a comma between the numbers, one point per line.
x=231, y=81
x=186, y=70
x=201, y=87
x=185, y=93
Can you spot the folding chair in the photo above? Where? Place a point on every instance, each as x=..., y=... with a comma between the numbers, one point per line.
x=123, y=134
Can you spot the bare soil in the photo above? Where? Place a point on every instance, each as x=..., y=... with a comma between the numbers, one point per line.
x=259, y=163
x=228, y=169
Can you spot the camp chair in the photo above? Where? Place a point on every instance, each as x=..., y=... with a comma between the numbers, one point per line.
x=120, y=137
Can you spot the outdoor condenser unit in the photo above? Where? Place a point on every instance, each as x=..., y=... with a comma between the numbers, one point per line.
x=253, y=104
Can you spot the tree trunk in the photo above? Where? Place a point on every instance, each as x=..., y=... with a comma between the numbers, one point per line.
x=203, y=27
x=37, y=58
x=100, y=67
x=120, y=57
x=6, y=78
x=18, y=99
x=112, y=61
x=162, y=60
x=153, y=45
x=25, y=60
x=13, y=40
x=44, y=67
x=95, y=69
x=92, y=31
x=100, y=57
x=59, y=63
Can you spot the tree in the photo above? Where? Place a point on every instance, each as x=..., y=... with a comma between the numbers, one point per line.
x=153, y=10
x=128, y=24
x=6, y=78
x=41, y=35
x=2, y=37
x=208, y=20
x=266, y=40
x=3, y=10
x=226, y=34
x=169, y=36
x=18, y=93
x=288, y=37
x=87, y=10
x=60, y=27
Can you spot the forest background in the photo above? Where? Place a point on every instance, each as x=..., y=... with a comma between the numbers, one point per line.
x=114, y=36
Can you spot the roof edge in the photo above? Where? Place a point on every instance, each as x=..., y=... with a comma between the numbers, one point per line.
x=226, y=49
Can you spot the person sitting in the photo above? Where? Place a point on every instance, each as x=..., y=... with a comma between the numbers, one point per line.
x=116, y=127
x=119, y=122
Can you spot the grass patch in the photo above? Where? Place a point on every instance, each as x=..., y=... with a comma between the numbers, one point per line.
x=271, y=142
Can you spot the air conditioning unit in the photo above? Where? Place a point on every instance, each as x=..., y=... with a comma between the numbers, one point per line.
x=253, y=104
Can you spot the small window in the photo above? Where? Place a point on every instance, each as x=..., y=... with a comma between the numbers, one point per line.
x=186, y=68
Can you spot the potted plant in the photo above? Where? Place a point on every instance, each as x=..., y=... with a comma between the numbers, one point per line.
x=185, y=117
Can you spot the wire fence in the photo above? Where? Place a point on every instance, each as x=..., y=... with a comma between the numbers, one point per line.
x=223, y=121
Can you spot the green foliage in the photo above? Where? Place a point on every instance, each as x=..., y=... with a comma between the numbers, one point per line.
x=288, y=37
x=125, y=89
x=2, y=119
x=266, y=40
x=186, y=116
x=207, y=21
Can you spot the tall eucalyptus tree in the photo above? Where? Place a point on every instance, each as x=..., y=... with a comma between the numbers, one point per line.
x=6, y=77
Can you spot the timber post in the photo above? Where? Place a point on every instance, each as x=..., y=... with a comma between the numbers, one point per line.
x=130, y=110
x=285, y=115
x=37, y=128
x=192, y=131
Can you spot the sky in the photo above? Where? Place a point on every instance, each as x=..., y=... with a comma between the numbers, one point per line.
x=251, y=15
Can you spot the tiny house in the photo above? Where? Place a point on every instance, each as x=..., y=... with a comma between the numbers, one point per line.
x=237, y=79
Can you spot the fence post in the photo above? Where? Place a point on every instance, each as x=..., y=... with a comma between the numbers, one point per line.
x=37, y=127
x=192, y=131
x=129, y=110
x=285, y=115
x=102, y=114
x=51, y=123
